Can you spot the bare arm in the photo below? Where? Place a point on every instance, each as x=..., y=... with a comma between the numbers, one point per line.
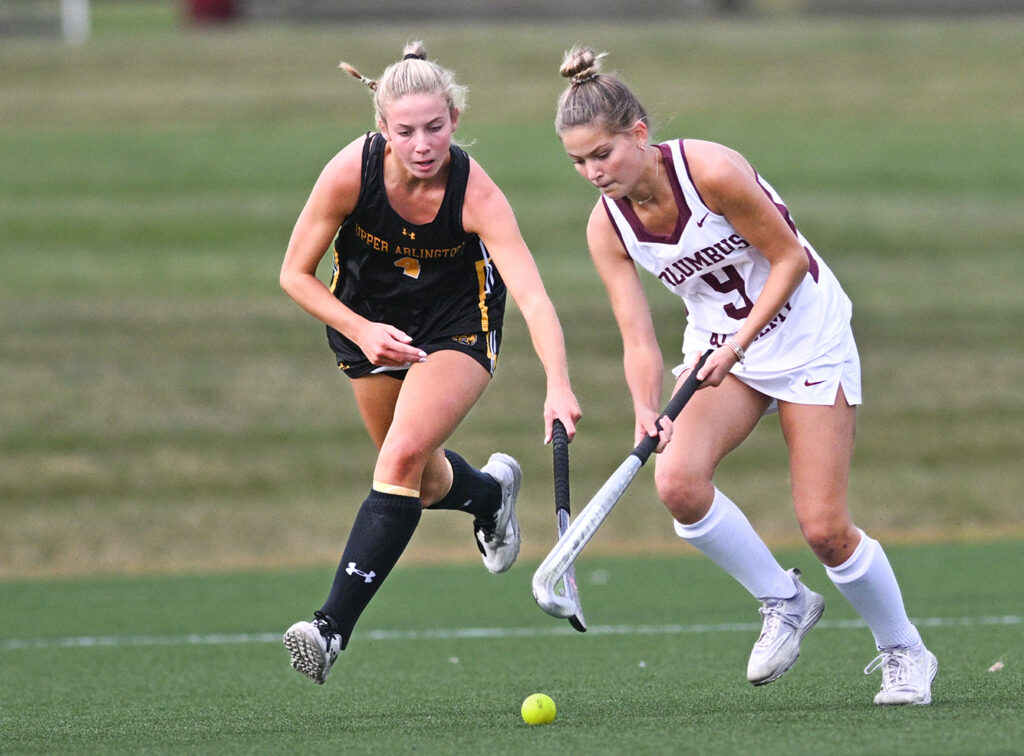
x=642, y=359
x=333, y=198
x=729, y=186
x=487, y=213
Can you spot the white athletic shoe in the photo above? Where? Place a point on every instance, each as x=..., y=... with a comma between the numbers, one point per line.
x=499, y=539
x=907, y=675
x=786, y=622
x=314, y=647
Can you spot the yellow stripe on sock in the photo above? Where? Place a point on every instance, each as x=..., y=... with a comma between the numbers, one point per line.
x=396, y=490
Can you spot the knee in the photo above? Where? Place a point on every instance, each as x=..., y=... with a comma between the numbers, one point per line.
x=687, y=495
x=832, y=538
x=401, y=459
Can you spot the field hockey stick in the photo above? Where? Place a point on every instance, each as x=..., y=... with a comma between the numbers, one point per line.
x=560, y=559
x=560, y=455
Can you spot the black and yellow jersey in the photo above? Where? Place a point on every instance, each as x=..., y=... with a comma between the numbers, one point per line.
x=428, y=280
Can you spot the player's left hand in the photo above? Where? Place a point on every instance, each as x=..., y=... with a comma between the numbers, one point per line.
x=561, y=404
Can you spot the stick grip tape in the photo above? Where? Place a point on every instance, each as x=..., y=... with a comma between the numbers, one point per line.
x=560, y=454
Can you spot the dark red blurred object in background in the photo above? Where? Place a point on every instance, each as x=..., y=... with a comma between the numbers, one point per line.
x=207, y=11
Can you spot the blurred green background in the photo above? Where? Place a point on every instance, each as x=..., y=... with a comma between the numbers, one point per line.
x=164, y=406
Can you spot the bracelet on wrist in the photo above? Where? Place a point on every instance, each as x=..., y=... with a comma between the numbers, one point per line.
x=737, y=349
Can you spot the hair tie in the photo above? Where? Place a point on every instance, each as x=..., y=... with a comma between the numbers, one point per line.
x=413, y=55
x=577, y=80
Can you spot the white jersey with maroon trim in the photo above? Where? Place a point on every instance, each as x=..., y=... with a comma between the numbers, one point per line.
x=719, y=274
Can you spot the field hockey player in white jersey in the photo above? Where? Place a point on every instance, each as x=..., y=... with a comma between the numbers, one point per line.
x=697, y=216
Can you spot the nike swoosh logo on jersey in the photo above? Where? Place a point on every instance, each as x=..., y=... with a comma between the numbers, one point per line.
x=812, y=383
x=700, y=223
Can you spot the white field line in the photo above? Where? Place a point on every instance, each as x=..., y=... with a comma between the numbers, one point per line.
x=101, y=641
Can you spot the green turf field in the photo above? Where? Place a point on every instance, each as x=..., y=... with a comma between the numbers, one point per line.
x=179, y=458
x=441, y=664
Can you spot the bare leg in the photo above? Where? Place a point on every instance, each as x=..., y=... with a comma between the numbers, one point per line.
x=820, y=441
x=410, y=420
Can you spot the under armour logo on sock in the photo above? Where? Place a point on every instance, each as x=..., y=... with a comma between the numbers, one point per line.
x=366, y=576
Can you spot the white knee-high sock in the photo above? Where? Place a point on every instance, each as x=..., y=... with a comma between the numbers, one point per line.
x=726, y=537
x=867, y=581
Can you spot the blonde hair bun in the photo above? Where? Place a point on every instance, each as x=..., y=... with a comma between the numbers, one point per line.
x=580, y=65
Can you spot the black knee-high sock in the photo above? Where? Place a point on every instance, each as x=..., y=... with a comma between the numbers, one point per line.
x=472, y=491
x=379, y=535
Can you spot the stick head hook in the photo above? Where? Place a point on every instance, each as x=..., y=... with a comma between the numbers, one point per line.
x=549, y=599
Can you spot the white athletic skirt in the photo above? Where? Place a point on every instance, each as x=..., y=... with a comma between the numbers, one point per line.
x=816, y=382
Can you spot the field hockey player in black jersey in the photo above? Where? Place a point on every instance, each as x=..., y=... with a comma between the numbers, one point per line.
x=425, y=248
